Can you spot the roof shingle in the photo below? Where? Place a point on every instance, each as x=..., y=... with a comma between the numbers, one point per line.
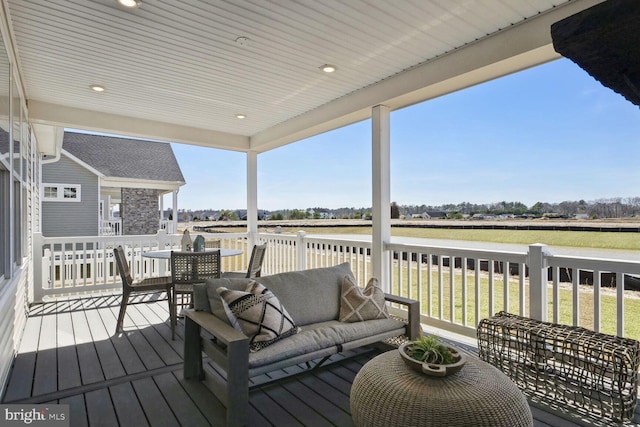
x=123, y=157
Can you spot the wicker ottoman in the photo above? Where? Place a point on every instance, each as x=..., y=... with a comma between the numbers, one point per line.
x=385, y=393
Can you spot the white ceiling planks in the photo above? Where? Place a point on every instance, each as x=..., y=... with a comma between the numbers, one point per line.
x=178, y=63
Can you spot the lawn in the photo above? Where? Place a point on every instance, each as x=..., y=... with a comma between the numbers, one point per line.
x=578, y=239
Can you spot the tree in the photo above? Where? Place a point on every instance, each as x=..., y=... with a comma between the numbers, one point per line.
x=395, y=211
x=297, y=214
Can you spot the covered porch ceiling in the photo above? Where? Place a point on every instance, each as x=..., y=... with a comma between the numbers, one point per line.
x=182, y=71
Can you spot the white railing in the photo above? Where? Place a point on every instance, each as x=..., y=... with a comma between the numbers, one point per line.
x=82, y=265
x=288, y=252
x=111, y=227
x=604, y=284
x=168, y=226
x=457, y=286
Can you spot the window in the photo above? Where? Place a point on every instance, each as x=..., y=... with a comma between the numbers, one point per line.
x=61, y=193
x=50, y=192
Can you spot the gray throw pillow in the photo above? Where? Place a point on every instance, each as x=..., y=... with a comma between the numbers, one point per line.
x=257, y=313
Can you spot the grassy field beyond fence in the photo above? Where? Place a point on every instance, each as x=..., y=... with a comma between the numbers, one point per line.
x=608, y=301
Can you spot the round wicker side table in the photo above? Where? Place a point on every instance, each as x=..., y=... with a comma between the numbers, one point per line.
x=386, y=392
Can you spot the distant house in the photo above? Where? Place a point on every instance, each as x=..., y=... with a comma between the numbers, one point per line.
x=483, y=216
x=103, y=185
x=434, y=214
x=325, y=214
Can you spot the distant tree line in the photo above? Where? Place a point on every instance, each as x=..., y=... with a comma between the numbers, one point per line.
x=614, y=207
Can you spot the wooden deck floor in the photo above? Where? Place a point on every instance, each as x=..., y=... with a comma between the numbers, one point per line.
x=69, y=354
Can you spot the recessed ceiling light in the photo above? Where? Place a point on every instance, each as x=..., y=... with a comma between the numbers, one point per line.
x=129, y=4
x=97, y=88
x=328, y=68
x=242, y=41
x=241, y=116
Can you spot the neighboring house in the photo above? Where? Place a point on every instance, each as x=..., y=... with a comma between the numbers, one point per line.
x=97, y=176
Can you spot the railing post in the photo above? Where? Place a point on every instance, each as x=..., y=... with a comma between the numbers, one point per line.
x=162, y=238
x=301, y=251
x=36, y=293
x=538, y=295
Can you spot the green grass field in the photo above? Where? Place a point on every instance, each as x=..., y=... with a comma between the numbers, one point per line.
x=586, y=301
x=578, y=239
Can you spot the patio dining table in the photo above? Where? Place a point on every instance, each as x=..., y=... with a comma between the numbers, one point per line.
x=166, y=253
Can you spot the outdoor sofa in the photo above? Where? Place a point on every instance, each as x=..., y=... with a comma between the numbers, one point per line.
x=311, y=299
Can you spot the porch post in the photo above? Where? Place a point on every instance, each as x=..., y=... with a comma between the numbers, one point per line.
x=252, y=197
x=538, y=296
x=381, y=177
x=36, y=293
x=301, y=251
x=174, y=214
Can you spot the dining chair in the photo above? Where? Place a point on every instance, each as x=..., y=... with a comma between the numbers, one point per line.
x=187, y=269
x=255, y=264
x=142, y=286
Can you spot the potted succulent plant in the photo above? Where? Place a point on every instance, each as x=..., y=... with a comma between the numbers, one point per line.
x=429, y=355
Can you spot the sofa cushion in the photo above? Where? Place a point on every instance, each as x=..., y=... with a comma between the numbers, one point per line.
x=357, y=305
x=311, y=295
x=205, y=297
x=257, y=313
x=322, y=335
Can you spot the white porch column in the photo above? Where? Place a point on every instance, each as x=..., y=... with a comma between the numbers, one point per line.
x=174, y=216
x=252, y=197
x=381, y=177
x=161, y=206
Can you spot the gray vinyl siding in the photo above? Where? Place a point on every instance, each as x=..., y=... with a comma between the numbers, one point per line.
x=70, y=218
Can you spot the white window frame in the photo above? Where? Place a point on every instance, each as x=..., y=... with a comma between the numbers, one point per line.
x=60, y=193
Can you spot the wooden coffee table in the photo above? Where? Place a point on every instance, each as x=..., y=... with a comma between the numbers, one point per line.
x=386, y=392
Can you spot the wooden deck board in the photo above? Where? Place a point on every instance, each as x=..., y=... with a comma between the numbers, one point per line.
x=109, y=360
x=127, y=407
x=337, y=398
x=160, y=322
x=77, y=410
x=127, y=354
x=276, y=415
x=46, y=376
x=185, y=410
x=209, y=406
x=68, y=368
x=88, y=360
x=19, y=385
x=70, y=355
x=153, y=403
x=100, y=410
x=298, y=408
x=323, y=406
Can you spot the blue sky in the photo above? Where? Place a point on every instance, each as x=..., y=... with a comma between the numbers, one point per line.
x=548, y=134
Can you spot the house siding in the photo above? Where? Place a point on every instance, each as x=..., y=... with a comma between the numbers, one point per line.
x=61, y=219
